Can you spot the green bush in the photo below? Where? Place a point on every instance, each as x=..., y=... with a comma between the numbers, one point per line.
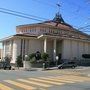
x=7, y=59
x=31, y=58
x=19, y=61
x=44, y=57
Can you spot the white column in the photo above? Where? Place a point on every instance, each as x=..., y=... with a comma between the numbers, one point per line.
x=45, y=45
x=54, y=50
x=22, y=48
x=10, y=48
x=3, y=49
x=14, y=56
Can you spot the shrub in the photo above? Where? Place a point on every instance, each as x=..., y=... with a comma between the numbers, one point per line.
x=19, y=61
x=31, y=58
x=7, y=59
x=44, y=57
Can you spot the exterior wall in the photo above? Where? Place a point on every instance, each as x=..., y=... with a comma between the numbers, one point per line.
x=16, y=46
x=89, y=48
x=50, y=49
x=31, y=46
x=69, y=49
x=74, y=49
x=59, y=47
x=66, y=53
x=7, y=46
x=35, y=45
x=3, y=49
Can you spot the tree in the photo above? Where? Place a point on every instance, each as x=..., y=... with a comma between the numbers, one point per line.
x=19, y=61
x=31, y=57
x=44, y=57
x=7, y=59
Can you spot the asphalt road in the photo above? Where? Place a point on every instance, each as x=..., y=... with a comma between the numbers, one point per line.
x=43, y=80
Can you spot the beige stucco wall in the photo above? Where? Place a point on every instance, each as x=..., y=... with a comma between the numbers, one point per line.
x=14, y=50
x=35, y=45
x=50, y=48
x=31, y=46
x=69, y=48
x=74, y=48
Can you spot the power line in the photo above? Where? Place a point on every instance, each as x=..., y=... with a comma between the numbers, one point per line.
x=5, y=9
x=7, y=12
x=36, y=18
x=19, y=15
x=84, y=27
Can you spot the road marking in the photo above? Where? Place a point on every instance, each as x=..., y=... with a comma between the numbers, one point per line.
x=42, y=89
x=26, y=87
x=65, y=72
x=80, y=77
x=35, y=83
x=58, y=80
x=43, y=82
x=46, y=81
x=4, y=87
x=71, y=78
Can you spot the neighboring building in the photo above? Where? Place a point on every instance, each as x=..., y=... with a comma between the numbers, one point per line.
x=54, y=37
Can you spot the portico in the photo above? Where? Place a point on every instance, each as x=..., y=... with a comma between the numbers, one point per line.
x=52, y=45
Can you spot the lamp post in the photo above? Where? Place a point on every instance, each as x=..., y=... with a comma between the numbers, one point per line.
x=57, y=60
x=25, y=61
x=26, y=57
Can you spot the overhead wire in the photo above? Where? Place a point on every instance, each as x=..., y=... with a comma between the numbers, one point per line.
x=24, y=15
x=78, y=10
x=21, y=13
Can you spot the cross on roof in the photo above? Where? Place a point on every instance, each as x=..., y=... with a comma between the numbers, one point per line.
x=58, y=6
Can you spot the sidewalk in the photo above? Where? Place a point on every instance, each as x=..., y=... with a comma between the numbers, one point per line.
x=84, y=71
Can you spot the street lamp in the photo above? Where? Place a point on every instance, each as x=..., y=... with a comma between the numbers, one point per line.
x=57, y=60
x=26, y=57
x=25, y=65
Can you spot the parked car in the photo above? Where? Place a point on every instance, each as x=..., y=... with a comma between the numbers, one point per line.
x=4, y=65
x=67, y=65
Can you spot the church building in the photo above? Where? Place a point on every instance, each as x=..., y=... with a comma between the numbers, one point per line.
x=54, y=37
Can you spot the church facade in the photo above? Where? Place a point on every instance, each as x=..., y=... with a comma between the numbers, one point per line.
x=54, y=37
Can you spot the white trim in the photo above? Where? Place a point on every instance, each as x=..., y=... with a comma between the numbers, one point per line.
x=40, y=36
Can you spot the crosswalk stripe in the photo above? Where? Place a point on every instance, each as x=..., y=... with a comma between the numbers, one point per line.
x=26, y=87
x=70, y=78
x=67, y=78
x=65, y=72
x=42, y=89
x=35, y=83
x=58, y=80
x=4, y=87
x=82, y=78
x=47, y=81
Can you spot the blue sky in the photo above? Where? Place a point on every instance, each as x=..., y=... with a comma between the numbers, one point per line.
x=76, y=13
